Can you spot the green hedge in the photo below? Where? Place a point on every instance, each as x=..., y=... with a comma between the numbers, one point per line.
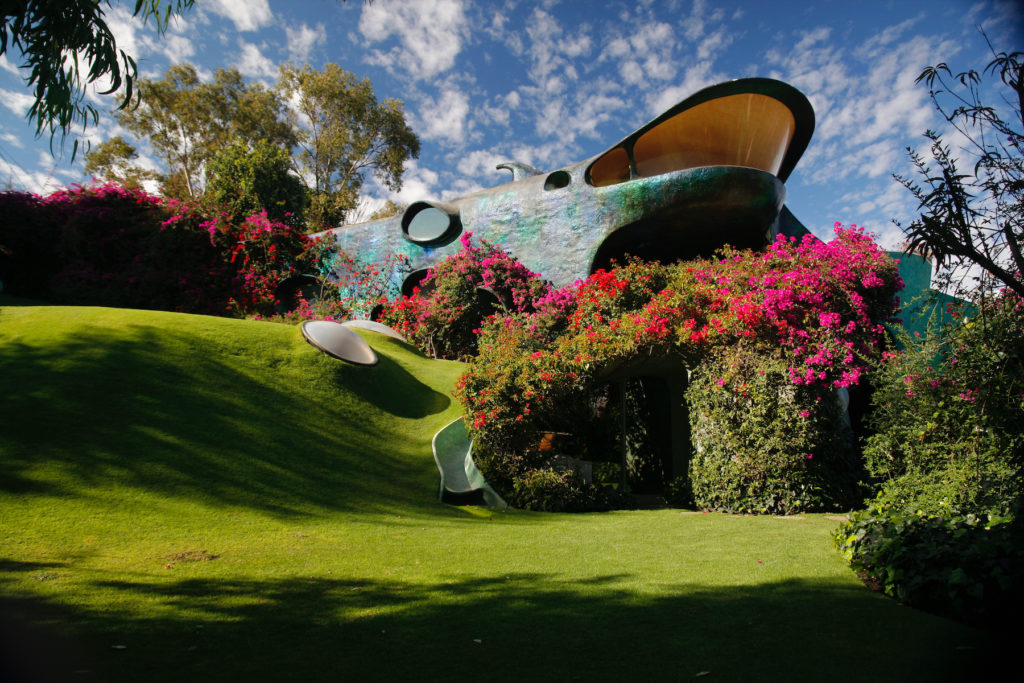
x=763, y=444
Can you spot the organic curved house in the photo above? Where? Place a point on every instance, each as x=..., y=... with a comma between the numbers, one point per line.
x=707, y=172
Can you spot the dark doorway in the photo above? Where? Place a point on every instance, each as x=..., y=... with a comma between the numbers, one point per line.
x=654, y=432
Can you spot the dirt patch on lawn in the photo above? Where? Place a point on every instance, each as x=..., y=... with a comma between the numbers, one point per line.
x=192, y=556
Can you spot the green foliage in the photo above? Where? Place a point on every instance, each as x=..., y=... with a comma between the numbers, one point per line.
x=962, y=565
x=947, y=417
x=248, y=178
x=679, y=492
x=550, y=491
x=46, y=33
x=973, y=217
x=948, y=455
x=763, y=444
x=189, y=122
x=112, y=161
x=343, y=133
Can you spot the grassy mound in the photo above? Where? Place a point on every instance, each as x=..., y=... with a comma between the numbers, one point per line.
x=219, y=411
x=184, y=497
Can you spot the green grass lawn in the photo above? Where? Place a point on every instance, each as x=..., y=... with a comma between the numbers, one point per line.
x=194, y=498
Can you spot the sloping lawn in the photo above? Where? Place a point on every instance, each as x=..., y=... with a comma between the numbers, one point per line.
x=195, y=498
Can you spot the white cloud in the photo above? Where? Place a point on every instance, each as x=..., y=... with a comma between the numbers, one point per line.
x=693, y=25
x=17, y=102
x=176, y=48
x=303, y=39
x=713, y=44
x=252, y=63
x=13, y=175
x=551, y=49
x=884, y=39
x=417, y=183
x=445, y=117
x=429, y=35
x=868, y=109
x=631, y=72
x=617, y=48
x=365, y=207
x=481, y=162
x=698, y=76
x=247, y=15
x=8, y=66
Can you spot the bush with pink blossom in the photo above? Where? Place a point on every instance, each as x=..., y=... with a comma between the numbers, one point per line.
x=807, y=316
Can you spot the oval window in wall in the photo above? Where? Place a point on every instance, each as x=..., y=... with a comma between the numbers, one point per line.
x=431, y=223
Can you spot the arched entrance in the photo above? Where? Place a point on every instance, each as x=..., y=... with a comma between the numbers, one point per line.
x=653, y=428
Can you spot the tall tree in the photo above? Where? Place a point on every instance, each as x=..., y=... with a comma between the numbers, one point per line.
x=343, y=133
x=66, y=46
x=245, y=178
x=973, y=218
x=114, y=160
x=188, y=122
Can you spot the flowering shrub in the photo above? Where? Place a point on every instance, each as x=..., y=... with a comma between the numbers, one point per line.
x=444, y=312
x=263, y=253
x=353, y=289
x=27, y=245
x=812, y=308
x=114, y=246
x=103, y=245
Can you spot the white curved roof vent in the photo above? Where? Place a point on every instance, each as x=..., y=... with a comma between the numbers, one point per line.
x=337, y=340
x=374, y=326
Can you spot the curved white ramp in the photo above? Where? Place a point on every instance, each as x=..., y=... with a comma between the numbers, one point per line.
x=459, y=475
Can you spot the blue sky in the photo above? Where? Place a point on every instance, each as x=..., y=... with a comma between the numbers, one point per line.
x=551, y=83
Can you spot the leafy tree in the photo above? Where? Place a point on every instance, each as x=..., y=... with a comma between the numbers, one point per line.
x=973, y=218
x=189, y=122
x=111, y=161
x=389, y=209
x=343, y=132
x=66, y=46
x=246, y=179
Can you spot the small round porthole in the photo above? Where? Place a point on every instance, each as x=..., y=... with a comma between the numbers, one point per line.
x=431, y=223
x=413, y=280
x=557, y=180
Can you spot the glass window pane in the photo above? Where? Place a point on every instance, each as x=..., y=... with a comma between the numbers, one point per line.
x=611, y=168
x=738, y=130
x=428, y=225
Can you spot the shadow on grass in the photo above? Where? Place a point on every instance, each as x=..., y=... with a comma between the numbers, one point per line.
x=520, y=627
x=146, y=407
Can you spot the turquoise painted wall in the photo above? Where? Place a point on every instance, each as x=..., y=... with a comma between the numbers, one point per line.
x=924, y=307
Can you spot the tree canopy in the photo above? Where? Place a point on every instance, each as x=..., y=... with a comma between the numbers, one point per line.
x=66, y=46
x=328, y=124
x=343, y=132
x=188, y=122
x=973, y=217
x=245, y=179
x=113, y=161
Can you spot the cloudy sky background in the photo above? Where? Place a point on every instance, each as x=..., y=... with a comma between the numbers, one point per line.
x=550, y=83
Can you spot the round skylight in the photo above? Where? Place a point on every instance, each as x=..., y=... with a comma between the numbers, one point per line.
x=339, y=341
